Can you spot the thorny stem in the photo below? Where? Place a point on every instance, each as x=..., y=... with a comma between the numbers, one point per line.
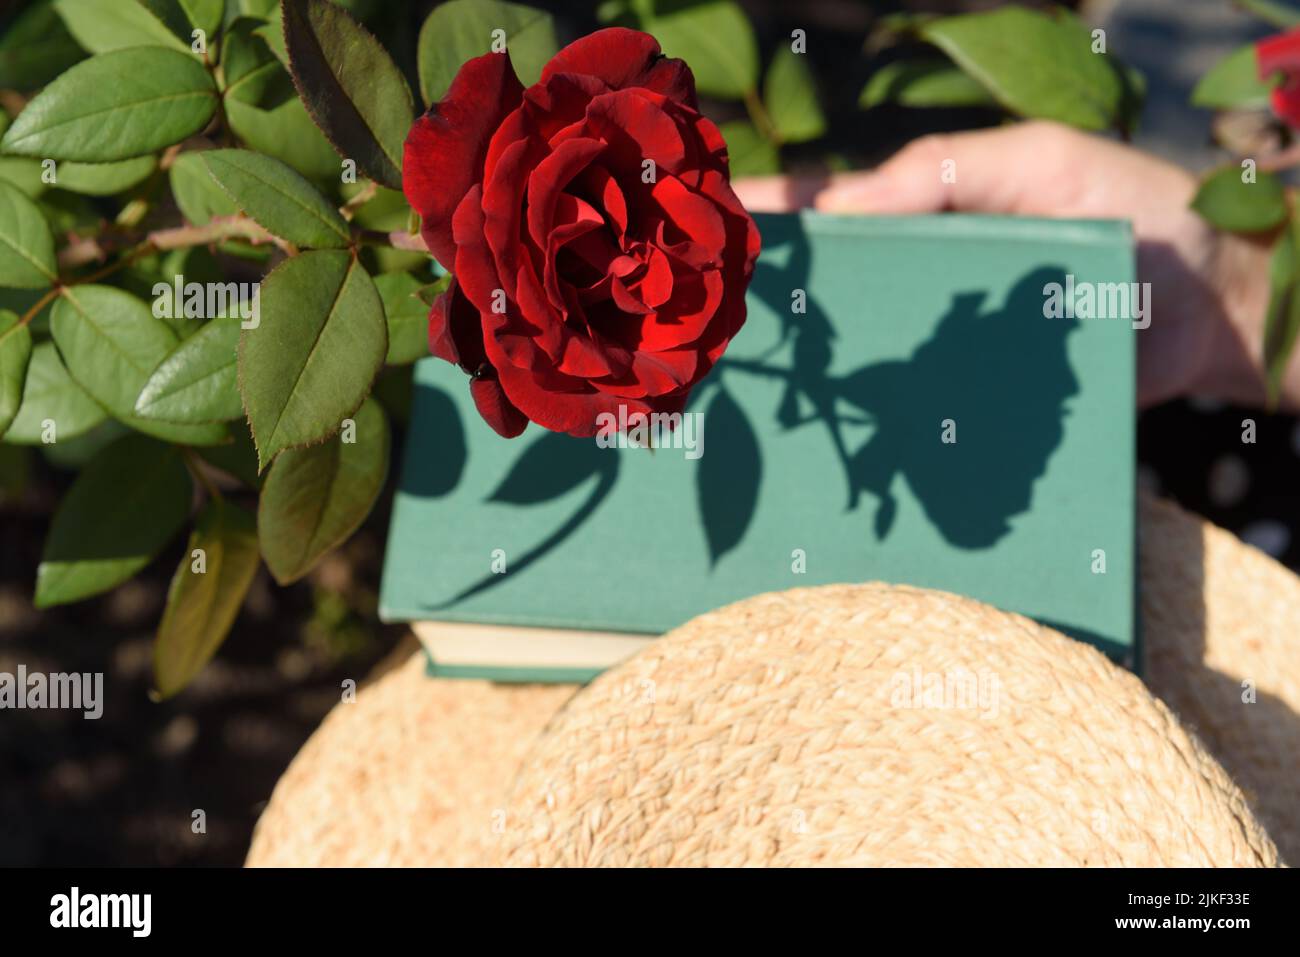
x=40, y=304
x=365, y=195
x=84, y=250
x=160, y=240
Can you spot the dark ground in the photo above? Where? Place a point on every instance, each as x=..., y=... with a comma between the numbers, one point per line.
x=121, y=790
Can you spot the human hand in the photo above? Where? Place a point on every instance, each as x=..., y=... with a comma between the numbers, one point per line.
x=1209, y=290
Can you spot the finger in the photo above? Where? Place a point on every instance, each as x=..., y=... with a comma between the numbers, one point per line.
x=964, y=171
x=777, y=194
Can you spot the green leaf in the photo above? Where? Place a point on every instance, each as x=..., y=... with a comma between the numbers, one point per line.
x=1035, y=64
x=923, y=83
x=386, y=211
x=273, y=34
x=314, y=498
x=310, y=361
x=182, y=433
x=15, y=355
x=1228, y=203
x=1282, y=320
x=23, y=172
x=716, y=41
x=25, y=240
x=408, y=317
x=197, y=194
x=104, y=25
x=120, y=511
x=205, y=15
x=206, y=593
x=237, y=458
x=170, y=14
x=1233, y=83
x=115, y=106
x=73, y=455
x=50, y=395
x=791, y=97
x=247, y=64
x=462, y=29
x=36, y=48
x=751, y=153
x=151, y=275
x=103, y=179
x=278, y=198
x=253, y=8
x=111, y=342
x=199, y=379
x=70, y=213
x=350, y=85
x=285, y=131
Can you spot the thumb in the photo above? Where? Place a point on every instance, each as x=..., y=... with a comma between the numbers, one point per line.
x=959, y=171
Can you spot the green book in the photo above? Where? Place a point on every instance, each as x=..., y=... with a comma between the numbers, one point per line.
x=943, y=401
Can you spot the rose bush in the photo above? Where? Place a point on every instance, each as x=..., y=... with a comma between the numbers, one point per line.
x=600, y=256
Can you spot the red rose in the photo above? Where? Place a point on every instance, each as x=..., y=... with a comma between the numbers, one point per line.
x=1281, y=54
x=600, y=256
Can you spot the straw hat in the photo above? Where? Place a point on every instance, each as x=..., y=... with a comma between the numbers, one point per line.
x=838, y=725
x=413, y=773
x=873, y=725
x=1221, y=628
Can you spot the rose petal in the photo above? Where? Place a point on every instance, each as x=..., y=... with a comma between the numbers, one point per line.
x=446, y=147
x=691, y=215
x=497, y=410
x=503, y=201
x=455, y=330
x=550, y=177
x=625, y=58
x=637, y=129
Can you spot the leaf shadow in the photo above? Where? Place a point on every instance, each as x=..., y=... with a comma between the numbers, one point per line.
x=551, y=466
x=429, y=475
x=727, y=481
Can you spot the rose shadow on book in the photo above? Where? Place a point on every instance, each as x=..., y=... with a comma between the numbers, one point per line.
x=969, y=421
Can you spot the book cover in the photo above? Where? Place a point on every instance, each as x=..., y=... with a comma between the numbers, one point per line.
x=943, y=401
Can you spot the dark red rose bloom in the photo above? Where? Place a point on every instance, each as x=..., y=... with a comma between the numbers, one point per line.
x=600, y=255
x=1281, y=54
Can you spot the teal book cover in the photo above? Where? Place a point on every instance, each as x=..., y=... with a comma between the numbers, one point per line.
x=942, y=401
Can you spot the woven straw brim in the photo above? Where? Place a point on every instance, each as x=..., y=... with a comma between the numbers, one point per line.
x=1221, y=625
x=872, y=725
x=418, y=770
x=413, y=773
